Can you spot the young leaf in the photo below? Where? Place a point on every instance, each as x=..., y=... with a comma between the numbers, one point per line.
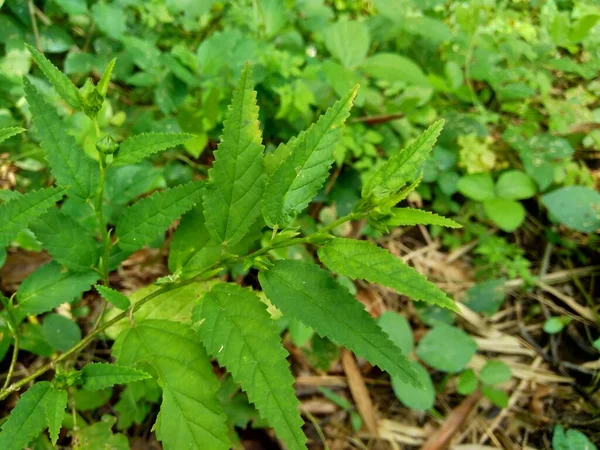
x=97, y=376
x=113, y=297
x=237, y=178
x=234, y=326
x=20, y=211
x=309, y=293
x=54, y=406
x=6, y=133
x=295, y=182
x=66, y=240
x=364, y=260
x=402, y=217
x=59, y=80
x=136, y=148
x=143, y=221
x=27, y=419
x=400, y=168
x=103, y=83
x=190, y=416
x=70, y=165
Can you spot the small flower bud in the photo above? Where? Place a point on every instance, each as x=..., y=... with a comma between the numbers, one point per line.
x=107, y=145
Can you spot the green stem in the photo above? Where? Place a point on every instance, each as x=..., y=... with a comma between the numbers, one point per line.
x=99, y=207
x=14, y=328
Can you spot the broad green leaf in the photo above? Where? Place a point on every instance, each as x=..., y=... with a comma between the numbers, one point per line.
x=392, y=67
x=467, y=382
x=136, y=148
x=59, y=80
x=99, y=436
x=515, y=185
x=418, y=398
x=236, y=328
x=145, y=220
x=507, y=214
x=309, y=293
x=6, y=133
x=67, y=241
x=348, y=42
x=237, y=178
x=190, y=414
x=446, y=348
x=60, y=332
x=497, y=396
x=70, y=165
x=18, y=212
x=295, y=182
x=494, y=372
x=570, y=440
x=402, y=217
x=27, y=419
x=55, y=405
x=103, y=83
x=401, y=167
x=49, y=287
x=398, y=329
x=576, y=207
x=115, y=298
x=477, y=186
x=364, y=260
x=97, y=376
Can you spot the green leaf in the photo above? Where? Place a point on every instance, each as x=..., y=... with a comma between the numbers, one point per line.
x=60, y=332
x=6, y=133
x=59, y=80
x=478, y=186
x=237, y=178
x=446, y=348
x=401, y=167
x=299, y=177
x=571, y=440
x=576, y=207
x=515, y=185
x=236, y=328
x=97, y=376
x=467, y=382
x=139, y=147
x=145, y=220
x=348, y=42
x=27, y=419
x=70, y=165
x=418, y=398
x=103, y=83
x=307, y=292
x=55, y=405
x=392, y=67
x=115, y=298
x=364, y=260
x=17, y=213
x=402, y=217
x=49, y=287
x=556, y=324
x=398, y=329
x=99, y=436
x=190, y=414
x=67, y=241
x=497, y=396
x=494, y=372
x=507, y=214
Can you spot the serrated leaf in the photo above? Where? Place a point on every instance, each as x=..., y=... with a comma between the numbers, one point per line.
x=364, y=260
x=20, y=211
x=402, y=217
x=59, y=80
x=55, y=405
x=6, y=133
x=142, y=222
x=27, y=419
x=70, y=165
x=190, y=416
x=310, y=294
x=400, y=168
x=139, y=147
x=237, y=178
x=97, y=376
x=103, y=83
x=295, y=182
x=67, y=241
x=236, y=328
x=115, y=298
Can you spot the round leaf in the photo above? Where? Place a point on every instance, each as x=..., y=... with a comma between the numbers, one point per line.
x=576, y=207
x=446, y=348
x=515, y=185
x=494, y=372
x=467, y=382
x=397, y=327
x=412, y=397
x=507, y=214
x=478, y=186
x=60, y=332
x=497, y=396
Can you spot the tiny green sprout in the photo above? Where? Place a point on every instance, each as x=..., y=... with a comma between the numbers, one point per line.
x=91, y=99
x=107, y=145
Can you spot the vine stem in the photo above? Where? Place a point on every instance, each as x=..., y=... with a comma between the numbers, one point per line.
x=5, y=392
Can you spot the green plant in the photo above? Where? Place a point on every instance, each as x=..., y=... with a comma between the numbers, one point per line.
x=177, y=323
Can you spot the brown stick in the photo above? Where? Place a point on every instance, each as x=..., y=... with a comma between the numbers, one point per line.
x=359, y=391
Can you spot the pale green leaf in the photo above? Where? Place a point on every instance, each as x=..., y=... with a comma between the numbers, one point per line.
x=97, y=376
x=309, y=293
x=136, y=148
x=364, y=260
x=298, y=178
x=55, y=405
x=236, y=328
x=6, y=133
x=103, y=83
x=144, y=221
x=115, y=298
x=237, y=178
x=190, y=415
x=70, y=165
x=507, y=214
x=348, y=42
x=402, y=217
x=20, y=211
x=391, y=67
x=59, y=80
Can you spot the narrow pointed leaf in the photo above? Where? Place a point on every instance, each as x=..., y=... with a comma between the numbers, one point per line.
x=103, y=83
x=115, y=298
x=236, y=328
x=70, y=165
x=298, y=178
x=6, y=133
x=144, y=221
x=310, y=294
x=20, y=211
x=98, y=376
x=59, y=80
x=190, y=416
x=364, y=260
x=55, y=405
x=237, y=178
x=139, y=147
x=402, y=217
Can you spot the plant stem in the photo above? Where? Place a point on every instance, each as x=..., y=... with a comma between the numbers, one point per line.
x=14, y=327
x=100, y=211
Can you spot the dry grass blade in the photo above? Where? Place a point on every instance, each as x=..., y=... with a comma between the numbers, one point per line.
x=359, y=391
